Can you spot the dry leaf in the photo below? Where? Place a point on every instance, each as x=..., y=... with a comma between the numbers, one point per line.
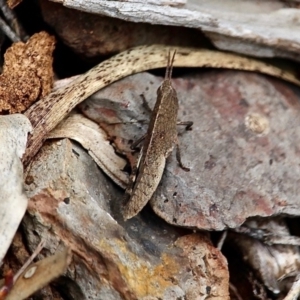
x=13, y=203
x=209, y=266
x=37, y=275
x=56, y=106
x=94, y=139
x=27, y=73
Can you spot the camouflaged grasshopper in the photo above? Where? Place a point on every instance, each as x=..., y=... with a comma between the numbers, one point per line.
x=160, y=139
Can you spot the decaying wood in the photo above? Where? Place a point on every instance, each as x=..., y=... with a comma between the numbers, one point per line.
x=274, y=264
x=48, y=112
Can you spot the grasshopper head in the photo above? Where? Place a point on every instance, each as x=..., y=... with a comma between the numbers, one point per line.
x=165, y=88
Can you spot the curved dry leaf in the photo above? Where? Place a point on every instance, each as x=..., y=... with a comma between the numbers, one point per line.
x=13, y=3
x=13, y=202
x=56, y=106
x=94, y=139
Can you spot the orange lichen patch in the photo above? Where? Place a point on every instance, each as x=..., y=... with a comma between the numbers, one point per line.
x=27, y=73
x=141, y=278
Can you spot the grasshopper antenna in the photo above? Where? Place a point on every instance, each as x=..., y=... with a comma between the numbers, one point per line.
x=171, y=65
x=169, y=69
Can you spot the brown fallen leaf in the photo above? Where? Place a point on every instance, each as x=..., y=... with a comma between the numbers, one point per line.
x=39, y=274
x=27, y=73
x=7, y=282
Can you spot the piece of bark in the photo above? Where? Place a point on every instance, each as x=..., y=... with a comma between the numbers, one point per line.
x=92, y=35
x=13, y=202
x=276, y=265
x=27, y=73
x=268, y=28
x=72, y=202
x=244, y=141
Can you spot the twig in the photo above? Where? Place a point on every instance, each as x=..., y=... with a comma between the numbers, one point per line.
x=12, y=20
x=235, y=291
x=295, y=290
x=222, y=239
x=30, y=259
x=8, y=31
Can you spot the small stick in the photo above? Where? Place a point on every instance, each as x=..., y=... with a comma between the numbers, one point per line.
x=12, y=20
x=294, y=292
x=235, y=291
x=38, y=249
x=222, y=239
x=8, y=31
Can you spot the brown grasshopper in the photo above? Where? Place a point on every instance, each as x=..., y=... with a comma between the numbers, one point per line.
x=160, y=139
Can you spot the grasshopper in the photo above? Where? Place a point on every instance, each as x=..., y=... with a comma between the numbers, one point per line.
x=160, y=139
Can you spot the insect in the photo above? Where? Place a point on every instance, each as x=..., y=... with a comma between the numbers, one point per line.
x=160, y=139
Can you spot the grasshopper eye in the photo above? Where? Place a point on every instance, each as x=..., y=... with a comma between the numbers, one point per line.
x=159, y=90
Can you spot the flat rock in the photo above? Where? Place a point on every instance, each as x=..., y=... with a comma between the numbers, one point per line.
x=243, y=149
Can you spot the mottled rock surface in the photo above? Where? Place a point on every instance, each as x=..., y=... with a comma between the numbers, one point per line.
x=73, y=203
x=243, y=149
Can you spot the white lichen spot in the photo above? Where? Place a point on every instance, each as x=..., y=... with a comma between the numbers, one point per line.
x=257, y=123
x=30, y=272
